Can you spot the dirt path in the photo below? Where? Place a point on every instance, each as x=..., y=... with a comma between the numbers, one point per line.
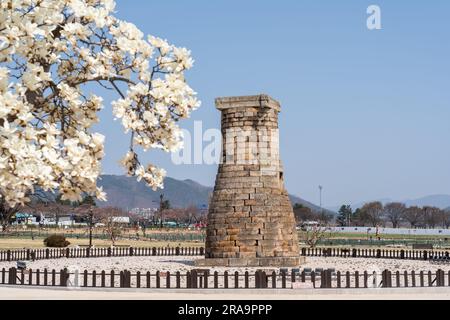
x=14, y=293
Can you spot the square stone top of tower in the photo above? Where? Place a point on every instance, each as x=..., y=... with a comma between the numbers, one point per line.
x=258, y=101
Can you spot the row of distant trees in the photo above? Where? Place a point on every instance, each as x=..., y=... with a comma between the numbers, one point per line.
x=88, y=212
x=303, y=213
x=394, y=214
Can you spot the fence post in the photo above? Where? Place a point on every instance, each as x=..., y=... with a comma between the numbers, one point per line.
x=8, y=255
x=283, y=279
x=103, y=279
x=257, y=279
x=131, y=251
x=354, y=253
x=384, y=279
x=85, y=277
x=206, y=276
x=67, y=252
x=147, y=279
x=177, y=251
x=47, y=253
x=63, y=277
x=430, y=279
x=153, y=251
x=12, y=276
x=194, y=281
x=440, y=278
x=303, y=251
x=28, y=254
x=128, y=278
x=158, y=279
x=405, y=278
x=264, y=280
x=53, y=277
x=189, y=280
x=216, y=280
x=402, y=254
x=425, y=255
x=168, y=279
x=225, y=279
x=378, y=253
x=202, y=251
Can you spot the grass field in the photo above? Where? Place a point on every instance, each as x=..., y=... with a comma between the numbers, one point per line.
x=21, y=243
x=382, y=236
x=25, y=241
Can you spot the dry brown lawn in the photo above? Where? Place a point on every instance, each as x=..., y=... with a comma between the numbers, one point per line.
x=20, y=243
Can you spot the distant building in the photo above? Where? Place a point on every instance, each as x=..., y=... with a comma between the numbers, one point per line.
x=122, y=220
x=146, y=213
x=25, y=218
x=309, y=224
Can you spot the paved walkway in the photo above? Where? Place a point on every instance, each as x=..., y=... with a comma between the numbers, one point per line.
x=39, y=293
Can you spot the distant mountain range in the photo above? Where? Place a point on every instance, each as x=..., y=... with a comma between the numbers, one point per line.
x=125, y=192
x=441, y=201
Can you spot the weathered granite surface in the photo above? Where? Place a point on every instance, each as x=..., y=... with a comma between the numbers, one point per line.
x=250, y=219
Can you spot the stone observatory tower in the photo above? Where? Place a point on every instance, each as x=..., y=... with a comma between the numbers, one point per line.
x=250, y=218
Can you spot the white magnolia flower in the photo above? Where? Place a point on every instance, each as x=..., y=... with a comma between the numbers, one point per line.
x=52, y=54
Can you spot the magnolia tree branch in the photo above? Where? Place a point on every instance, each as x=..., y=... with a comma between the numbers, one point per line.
x=52, y=52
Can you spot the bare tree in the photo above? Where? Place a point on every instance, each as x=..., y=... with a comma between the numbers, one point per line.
x=444, y=218
x=303, y=213
x=90, y=213
x=6, y=214
x=372, y=212
x=414, y=215
x=394, y=212
x=431, y=216
x=188, y=215
x=109, y=216
x=312, y=235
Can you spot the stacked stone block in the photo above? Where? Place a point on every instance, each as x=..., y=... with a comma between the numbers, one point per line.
x=250, y=219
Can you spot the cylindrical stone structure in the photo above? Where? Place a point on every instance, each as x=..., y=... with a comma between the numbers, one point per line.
x=250, y=219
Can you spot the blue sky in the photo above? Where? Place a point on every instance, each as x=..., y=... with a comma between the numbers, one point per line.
x=365, y=113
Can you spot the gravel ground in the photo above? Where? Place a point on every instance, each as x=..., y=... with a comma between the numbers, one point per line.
x=186, y=263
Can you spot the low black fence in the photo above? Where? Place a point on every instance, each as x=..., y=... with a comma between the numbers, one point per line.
x=97, y=252
x=437, y=243
x=94, y=252
x=149, y=236
x=376, y=253
x=202, y=278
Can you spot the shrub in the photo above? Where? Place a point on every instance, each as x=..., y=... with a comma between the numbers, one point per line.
x=56, y=241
